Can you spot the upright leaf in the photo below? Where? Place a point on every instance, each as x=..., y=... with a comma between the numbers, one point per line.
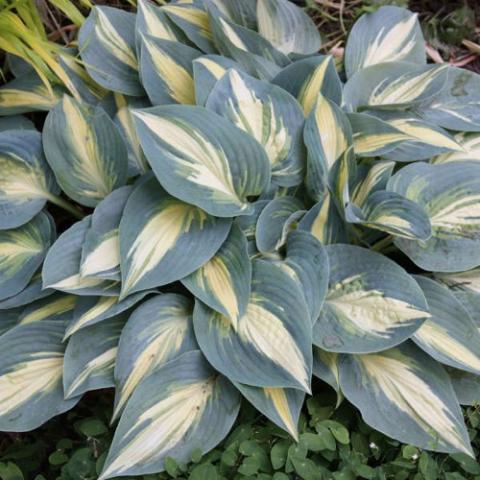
x=85, y=151
x=181, y=407
x=275, y=332
x=390, y=34
x=157, y=331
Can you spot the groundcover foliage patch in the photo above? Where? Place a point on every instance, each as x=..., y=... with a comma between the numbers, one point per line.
x=246, y=217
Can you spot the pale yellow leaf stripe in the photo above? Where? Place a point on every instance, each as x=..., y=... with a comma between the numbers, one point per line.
x=319, y=228
x=232, y=35
x=332, y=138
x=89, y=166
x=215, y=277
x=422, y=133
x=438, y=338
x=75, y=282
x=165, y=342
x=64, y=304
x=410, y=394
x=105, y=361
x=178, y=80
x=280, y=402
x=470, y=149
x=21, y=181
x=213, y=67
x=158, y=237
x=404, y=89
x=105, y=256
x=259, y=119
x=392, y=45
x=465, y=280
x=198, y=18
x=163, y=426
x=32, y=378
x=113, y=42
x=313, y=85
x=458, y=216
x=40, y=97
x=266, y=333
x=155, y=25
x=196, y=157
x=370, y=310
x=364, y=144
x=364, y=188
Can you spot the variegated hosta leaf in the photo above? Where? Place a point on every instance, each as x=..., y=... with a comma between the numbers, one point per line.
x=200, y=158
x=280, y=405
x=273, y=223
x=194, y=23
x=305, y=78
x=256, y=54
x=450, y=194
x=8, y=319
x=275, y=332
x=308, y=260
x=92, y=310
x=324, y=222
x=268, y=114
x=22, y=251
x=152, y=20
x=466, y=386
x=243, y=13
x=329, y=141
x=372, y=303
x=16, y=122
x=61, y=268
x=207, y=70
x=373, y=136
x=450, y=335
x=31, y=366
x=163, y=239
x=248, y=223
x=405, y=387
x=395, y=85
x=391, y=213
x=101, y=249
x=326, y=368
x=157, y=331
x=26, y=181
x=85, y=150
x=137, y=163
x=287, y=27
x=90, y=357
x=58, y=306
x=390, y=34
x=167, y=71
x=32, y=291
x=223, y=283
x=422, y=140
x=470, y=149
x=27, y=94
x=182, y=407
x=371, y=176
x=457, y=108
x=107, y=46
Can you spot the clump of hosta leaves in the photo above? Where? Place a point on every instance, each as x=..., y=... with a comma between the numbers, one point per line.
x=249, y=217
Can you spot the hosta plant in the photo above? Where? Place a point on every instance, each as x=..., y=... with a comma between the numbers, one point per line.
x=243, y=216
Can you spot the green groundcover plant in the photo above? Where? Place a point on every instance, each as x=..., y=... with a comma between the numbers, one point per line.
x=246, y=218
